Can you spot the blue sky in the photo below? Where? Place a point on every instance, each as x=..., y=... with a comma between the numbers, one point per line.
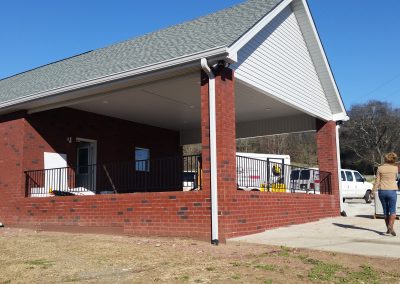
x=360, y=37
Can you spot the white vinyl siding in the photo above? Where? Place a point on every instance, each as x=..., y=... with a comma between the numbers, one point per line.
x=316, y=51
x=277, y=62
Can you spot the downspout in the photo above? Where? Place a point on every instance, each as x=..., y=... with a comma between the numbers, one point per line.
x=342, y=212
x=213, y=151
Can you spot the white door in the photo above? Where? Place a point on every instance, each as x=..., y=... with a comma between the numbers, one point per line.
x=55, y=165
x=86, y=168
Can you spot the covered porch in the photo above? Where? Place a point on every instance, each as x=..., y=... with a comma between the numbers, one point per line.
x=129, y=138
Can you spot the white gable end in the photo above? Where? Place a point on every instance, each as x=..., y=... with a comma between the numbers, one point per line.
x=277, y=62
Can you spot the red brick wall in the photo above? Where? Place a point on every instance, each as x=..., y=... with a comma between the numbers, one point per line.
x=253, y=212
x=116, y=138
x=226, y=129
x=11, y=156
x=183, y=214
x=205, y=132
x=327, y=155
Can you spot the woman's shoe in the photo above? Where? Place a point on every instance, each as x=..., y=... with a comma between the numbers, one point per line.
x=391, y=224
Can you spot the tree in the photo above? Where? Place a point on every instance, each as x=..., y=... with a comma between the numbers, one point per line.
x=372, y=131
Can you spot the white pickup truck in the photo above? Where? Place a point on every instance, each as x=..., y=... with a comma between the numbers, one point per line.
x=354, y=185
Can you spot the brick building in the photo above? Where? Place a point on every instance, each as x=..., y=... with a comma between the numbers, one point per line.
x=255, y=69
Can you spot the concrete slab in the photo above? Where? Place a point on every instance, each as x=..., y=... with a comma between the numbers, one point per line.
x=357, y=234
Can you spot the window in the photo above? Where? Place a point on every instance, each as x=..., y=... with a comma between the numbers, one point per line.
x=358, y=177
x=343, y=176
x=142, y=159
x=294, y=175
x=349, y=176
x=305, y=174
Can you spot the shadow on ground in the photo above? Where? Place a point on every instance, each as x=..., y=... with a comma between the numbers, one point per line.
x=346, y=226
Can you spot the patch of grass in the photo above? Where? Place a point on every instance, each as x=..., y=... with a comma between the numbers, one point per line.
x=285, y=251
x=210, y=268
x=185, y=278
x=235, y=264
x=302, y=257
x=311, y=261
x=366, y=275
x=268, y=267
x=42, y=263
x=268, y=281
x=324, y=271
x=198, y=281
x=72, y=279
x=235, y=277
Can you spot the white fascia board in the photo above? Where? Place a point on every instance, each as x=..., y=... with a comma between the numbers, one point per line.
x=234, y=48
x=323, y=55
x=221, y=51
x=340, y=116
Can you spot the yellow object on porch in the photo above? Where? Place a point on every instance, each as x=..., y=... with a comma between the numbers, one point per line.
x=278, y=187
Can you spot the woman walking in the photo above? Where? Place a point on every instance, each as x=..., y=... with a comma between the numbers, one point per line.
x=387, y=190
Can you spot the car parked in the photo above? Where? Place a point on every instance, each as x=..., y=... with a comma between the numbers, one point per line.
x=354, y=185
x=305, y=180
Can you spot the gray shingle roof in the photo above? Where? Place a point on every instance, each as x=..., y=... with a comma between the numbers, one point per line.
x=219, y=29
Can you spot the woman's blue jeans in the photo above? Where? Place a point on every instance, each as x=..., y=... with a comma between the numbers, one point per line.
x=388, y=199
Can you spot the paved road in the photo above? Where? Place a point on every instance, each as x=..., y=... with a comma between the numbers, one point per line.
x=358, y=234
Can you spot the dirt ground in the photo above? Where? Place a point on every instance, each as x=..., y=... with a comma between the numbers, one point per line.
x=28, y=256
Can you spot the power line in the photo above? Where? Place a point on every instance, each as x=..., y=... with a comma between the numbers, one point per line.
x=382, y=85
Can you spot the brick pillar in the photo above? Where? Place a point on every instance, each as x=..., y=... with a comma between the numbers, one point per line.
x=12, y=130
x=226, y=134
x=226, y=130
x=205, y=133
x=327, y=154
x=12, y=185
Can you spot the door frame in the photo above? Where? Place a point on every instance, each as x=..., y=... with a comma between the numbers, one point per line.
x=94, y=162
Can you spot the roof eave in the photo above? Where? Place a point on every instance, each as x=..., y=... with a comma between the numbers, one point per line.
x=213, y=54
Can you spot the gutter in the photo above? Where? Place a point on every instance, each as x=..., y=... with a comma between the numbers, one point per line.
x=213, y=151
x=342, y=212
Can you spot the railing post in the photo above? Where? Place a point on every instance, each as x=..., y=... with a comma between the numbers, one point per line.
x=26, y=184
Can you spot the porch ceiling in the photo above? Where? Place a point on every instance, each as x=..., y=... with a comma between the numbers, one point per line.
x=174, y=103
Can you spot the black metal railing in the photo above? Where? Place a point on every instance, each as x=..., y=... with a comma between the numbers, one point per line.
x=163, y=174
x=272, y=175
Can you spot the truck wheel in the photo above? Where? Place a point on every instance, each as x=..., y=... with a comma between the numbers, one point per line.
x=368, y=196
x=344, y=199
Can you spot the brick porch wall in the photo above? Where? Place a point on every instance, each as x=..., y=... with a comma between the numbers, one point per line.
x=253, y=212
x=183, y=214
